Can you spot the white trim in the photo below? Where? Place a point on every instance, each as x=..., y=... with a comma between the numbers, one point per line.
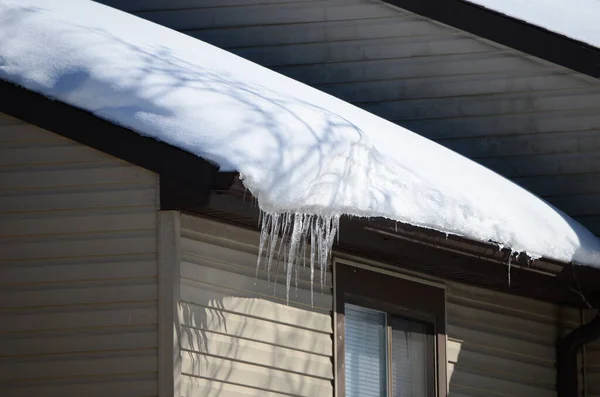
x=400, y=273
x=169, y=353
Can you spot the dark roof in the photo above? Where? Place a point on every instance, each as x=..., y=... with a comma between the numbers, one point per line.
x=509, y=31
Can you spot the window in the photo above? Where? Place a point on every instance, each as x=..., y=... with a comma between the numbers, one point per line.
x=391, y=336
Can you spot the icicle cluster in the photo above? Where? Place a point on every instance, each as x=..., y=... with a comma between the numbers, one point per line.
x=292, y=240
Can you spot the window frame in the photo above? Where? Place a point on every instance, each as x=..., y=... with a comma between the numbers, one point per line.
x=395, y=296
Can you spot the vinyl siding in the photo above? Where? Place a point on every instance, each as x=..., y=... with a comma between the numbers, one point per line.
x=529, y=120
x=503, y=345
x=239, y=339
x=237, y=335
x=78, y=267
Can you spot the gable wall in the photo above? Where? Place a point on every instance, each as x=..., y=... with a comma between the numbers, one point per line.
x=531, y=121
x=78, y=269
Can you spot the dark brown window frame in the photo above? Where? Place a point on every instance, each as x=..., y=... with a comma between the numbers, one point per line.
x=394, y=295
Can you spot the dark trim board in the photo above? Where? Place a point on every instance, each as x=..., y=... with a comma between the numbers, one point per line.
x=398, y=297
x=429, y=253
x=180, y=172
x=191, y=184
x=508, y=31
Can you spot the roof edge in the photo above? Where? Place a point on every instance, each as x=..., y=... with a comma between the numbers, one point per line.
x=509, y=31
x=175, y=166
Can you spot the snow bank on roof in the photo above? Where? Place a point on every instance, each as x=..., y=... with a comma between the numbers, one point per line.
x=576, y=19
x=298, y=149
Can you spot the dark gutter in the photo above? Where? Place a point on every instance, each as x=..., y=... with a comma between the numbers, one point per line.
x=567, y=383
x=182, y=174
x=431, y=253
x=508, y=31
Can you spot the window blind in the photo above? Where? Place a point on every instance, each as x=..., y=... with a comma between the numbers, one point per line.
x=410, y=372
x=366, y=352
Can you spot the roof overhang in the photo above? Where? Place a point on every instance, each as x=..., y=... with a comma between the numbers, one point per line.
x=508, y=31
x=193, y=185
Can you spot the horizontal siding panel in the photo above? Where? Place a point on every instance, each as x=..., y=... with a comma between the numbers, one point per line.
x=53, y=199
x=237, y=260
x=480, y=105
x=198, y=317
x=208, y=343
x=257, y=305
x=507, y=366
x=89, y=364
x=49, y=154
x=334, y=10
x=96, y=386
x=552, y=164
x=57, y=294
x=501, y=344
x=15, y=131
x=57, y=342
x=477, y=319
x=482, y=126
x=434, y=66
x=90, y=245
x=194, y=386
x=245, y=283
x=78, y=316
x=238, y=336
x=315, y=32
x=363, y=50
x=83, y=221
x=46, y=176
x=258, y=377
x=78, y=270
x=451, y=86
x=478, y=385
x=526, y=145
x=75, y=269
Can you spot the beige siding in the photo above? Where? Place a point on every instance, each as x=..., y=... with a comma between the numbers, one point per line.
x=503, y=345
x=529, y=120
x=238, y=337
x=78, y=266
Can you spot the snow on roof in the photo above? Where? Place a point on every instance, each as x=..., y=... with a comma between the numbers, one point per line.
x=299, y=150
x=575, y=19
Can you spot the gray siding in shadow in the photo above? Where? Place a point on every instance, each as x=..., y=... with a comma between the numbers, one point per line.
x=529, y=120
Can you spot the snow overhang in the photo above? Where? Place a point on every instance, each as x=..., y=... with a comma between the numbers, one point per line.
x=299, y=151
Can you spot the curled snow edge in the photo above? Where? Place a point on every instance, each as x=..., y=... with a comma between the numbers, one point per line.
x=306, y=156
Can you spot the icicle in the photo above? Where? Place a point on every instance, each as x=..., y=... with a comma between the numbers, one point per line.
x=293, y=253
x=313, y=247
x=284, y=238
x=265, y=224
x=509, y=265
x=272, y=237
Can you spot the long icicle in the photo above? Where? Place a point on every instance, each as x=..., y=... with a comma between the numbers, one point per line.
x=284, y=238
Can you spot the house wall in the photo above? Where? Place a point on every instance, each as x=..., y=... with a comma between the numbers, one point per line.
x=529, y=120
x=237, y=335
x=239, y=339
x=78, y=269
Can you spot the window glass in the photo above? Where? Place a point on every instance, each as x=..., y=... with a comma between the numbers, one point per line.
x=365, y=356
x=410, y=370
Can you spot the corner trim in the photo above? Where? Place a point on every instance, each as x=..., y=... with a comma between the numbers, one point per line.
x=169, y=352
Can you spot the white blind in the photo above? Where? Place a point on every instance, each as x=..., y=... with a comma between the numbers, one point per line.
x=409, y=358
x=365, y=355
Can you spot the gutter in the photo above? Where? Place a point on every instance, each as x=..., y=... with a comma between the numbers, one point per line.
x=567, y=383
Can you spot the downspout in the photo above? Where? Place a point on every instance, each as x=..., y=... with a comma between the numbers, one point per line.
x=566, y=359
